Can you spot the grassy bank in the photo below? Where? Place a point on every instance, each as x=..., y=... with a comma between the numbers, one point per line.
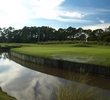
x=5, y=96
x=73, y=52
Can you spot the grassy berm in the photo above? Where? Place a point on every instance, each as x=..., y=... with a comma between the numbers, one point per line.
x=93, y=54
x=5, y=96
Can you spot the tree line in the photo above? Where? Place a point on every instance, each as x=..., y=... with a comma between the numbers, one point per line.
x=41, y=34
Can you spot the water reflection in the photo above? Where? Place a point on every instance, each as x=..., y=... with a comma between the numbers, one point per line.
x=92, y=80
x=27, y=84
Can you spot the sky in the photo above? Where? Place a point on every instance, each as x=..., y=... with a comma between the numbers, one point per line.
x=88, y=14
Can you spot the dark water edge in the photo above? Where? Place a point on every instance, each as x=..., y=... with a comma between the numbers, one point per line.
x=97, y=81
x=28, y=84
x=66, y=65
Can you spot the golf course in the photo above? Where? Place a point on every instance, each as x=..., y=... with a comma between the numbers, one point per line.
x=84, y=53
x=80, y=53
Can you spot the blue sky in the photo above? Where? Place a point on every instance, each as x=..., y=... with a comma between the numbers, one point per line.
x=88, y=14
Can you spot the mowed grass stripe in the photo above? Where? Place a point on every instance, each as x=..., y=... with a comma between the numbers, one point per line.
x=48, y=50
x=99, y=52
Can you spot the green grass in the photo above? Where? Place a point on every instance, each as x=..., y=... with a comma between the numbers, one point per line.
x=4, y=96
x=95, y=54
x=16, y=44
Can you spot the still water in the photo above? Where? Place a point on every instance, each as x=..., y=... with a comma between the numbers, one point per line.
x=28, y=81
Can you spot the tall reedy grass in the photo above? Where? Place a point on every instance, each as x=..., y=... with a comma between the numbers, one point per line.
x=77, y=91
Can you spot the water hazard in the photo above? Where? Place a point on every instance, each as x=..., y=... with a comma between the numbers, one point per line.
x=28, y=81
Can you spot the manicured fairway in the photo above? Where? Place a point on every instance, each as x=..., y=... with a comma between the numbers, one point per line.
x=72, y=52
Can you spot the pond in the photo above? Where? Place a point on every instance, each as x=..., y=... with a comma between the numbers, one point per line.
x=29, y=81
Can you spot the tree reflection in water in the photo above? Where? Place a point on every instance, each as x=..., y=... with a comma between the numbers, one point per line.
x=4, y=55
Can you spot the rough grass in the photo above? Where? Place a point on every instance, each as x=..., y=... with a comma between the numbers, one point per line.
x=71, y=91
x=96, y=54
x=5, y=96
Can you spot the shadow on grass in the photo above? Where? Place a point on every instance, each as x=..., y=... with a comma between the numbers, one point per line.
x=81, y=45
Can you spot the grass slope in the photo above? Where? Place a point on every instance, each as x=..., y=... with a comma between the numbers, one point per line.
x=95, y=54
x=4, y=96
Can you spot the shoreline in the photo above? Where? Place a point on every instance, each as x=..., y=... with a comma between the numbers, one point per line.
x=4, y=95
x=65, y=73
x=65, y=65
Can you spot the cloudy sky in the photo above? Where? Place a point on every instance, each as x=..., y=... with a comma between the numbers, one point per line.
x=90, y=14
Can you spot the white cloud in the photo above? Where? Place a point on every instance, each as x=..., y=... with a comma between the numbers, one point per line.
x=20, y=11
x=10, y=74
x=103, y=10
x=52, y=10
x=101, y=21
x=97, y=26
x=12, y=12
x=72, y=20
x=17, y=13
x=74, y=14
x=48, y=9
